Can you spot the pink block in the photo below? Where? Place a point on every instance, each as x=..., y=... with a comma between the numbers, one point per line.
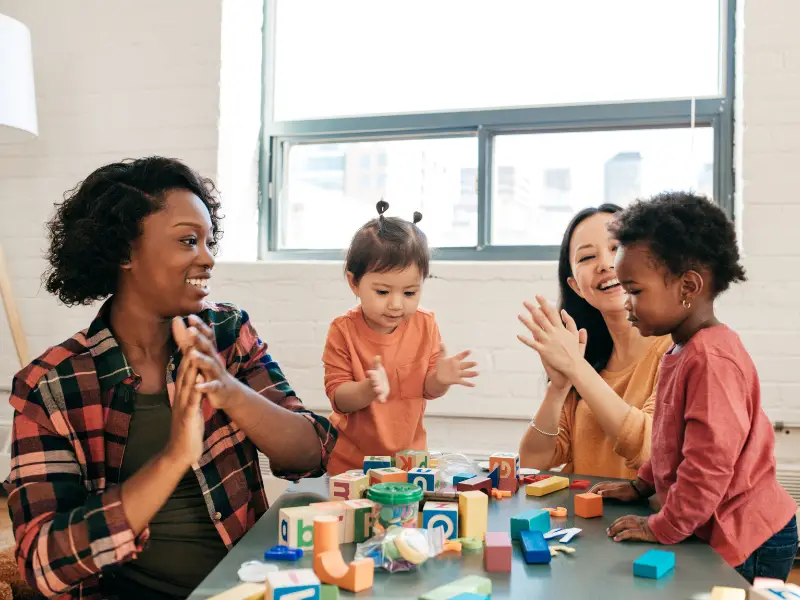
x=497, y=554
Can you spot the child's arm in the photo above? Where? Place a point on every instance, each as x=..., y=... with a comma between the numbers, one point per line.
x=346, y=394
x=717, y=427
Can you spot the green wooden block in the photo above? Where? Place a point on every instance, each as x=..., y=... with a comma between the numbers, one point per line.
x=472, y=584
x=329, y=592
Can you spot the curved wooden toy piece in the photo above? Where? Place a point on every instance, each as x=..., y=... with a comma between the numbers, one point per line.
x=329, y=564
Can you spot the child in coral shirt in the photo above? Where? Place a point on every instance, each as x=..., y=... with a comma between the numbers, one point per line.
x=384, y=358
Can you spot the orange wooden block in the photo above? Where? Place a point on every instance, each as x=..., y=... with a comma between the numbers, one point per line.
x=588, y=505
x=329, y=563
x=559, y=512
x=498, y=494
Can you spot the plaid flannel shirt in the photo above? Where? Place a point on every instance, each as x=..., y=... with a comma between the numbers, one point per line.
x=72, y=409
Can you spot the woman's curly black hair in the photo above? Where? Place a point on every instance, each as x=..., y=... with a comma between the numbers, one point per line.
x=684, y=231
x=92, y=230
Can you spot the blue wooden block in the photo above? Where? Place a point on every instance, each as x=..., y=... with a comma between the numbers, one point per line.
x=377, y=462
x=530, y=520
x=534, y=547
x=459, y=477
x=654, y=564
x=495, y=477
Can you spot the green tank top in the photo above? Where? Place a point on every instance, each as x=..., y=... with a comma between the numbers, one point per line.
x=184, y=545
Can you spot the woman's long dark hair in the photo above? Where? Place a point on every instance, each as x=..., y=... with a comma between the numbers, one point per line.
x=599, y=344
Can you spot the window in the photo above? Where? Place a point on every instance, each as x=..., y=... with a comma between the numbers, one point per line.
x=498, y=122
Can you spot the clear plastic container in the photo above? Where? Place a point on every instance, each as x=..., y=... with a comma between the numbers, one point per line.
x=396, y=505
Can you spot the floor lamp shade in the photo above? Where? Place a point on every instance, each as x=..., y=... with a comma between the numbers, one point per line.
x=17, y=93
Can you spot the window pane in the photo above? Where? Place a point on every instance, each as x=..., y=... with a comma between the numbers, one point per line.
x=363, y=57
x=330, y=190
x=541, y=180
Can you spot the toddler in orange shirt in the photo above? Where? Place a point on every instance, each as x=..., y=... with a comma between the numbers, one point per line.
x=384, y=358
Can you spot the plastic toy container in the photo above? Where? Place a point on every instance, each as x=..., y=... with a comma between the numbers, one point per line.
x=396, y=505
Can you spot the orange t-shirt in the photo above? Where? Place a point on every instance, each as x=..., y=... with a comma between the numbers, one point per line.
x=409, y=353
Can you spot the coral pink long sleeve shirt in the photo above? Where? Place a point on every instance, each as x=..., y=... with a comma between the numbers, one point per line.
x=713, y=450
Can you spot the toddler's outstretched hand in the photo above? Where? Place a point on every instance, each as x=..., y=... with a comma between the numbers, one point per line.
x=380, y=381
x=452, y=370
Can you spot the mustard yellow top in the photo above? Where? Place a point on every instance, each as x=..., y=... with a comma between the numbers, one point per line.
x=582, y=443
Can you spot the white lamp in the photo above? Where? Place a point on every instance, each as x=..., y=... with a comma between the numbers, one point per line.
x=17, y=94
x=17, y=124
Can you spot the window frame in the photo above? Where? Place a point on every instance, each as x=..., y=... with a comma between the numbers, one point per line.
x=715, y=112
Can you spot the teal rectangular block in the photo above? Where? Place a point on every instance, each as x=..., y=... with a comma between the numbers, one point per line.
x=530, y=520
x=654, y=564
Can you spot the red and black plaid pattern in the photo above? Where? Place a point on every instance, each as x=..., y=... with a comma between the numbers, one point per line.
x=72, y=409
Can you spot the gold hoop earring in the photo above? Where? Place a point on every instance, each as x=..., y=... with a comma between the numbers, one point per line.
x=686, y=305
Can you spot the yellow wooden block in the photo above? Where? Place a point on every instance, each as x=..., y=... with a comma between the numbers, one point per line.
x=473, y=514
x=726, y=593
x=246, y=591
x=546, y=486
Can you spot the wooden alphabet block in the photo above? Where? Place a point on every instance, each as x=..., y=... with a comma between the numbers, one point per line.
x=245, y=591
x=359, y=518
x=534, y=548
x=497, y=554
x=654, y=564
x=376, y=462
x=782, y=591
x=347, y=486
x=328, y=592
x=476, y=483
x=547, y=486
x=296, y=527
x=298, y=583
x=508, y=462
x=337, y=509
x=412, y=459
x=530, y=520
x=727, y=593
x=387, y=474
x=472, y=584
x=473, y=514
x=441, y=514
x=427, y=479
x=588, y=505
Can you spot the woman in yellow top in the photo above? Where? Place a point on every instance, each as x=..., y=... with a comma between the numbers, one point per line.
x=598, y=420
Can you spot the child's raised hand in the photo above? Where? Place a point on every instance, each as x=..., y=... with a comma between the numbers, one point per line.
x=380, y=381
x=452, y=370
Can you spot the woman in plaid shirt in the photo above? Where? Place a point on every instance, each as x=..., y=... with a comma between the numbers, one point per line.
x=133, y=471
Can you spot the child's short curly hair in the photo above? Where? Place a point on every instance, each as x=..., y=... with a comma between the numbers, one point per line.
x=683, y=231
x=386, y=244
x=92, y=230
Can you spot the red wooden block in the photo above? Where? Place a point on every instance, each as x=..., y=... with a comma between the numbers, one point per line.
x=497, y=554
x=470, y=485
x=580, y=484
x=510, y=484
x=588, y=505
x=540, y=478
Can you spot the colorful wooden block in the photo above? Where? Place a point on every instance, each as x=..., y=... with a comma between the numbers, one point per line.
x=476, y=483
x=779, y=591
x=433, y=458
x=473, y=514
x=473, y=584
x=494, y=475
x=387, y=474
x=296, y=527
x=299, y=583
x=508, y=464
x=359, y=519
x=654, y=564
x=347, y=486
x=497, y=554
x=534, y=548
x=727, y=593
x=546, y=486
x=588, y=505
x=441, y=514
x=404, y=460
x=459, y=477
x=376, y=462
x=530, y=520
x=580, y=484
x=245, y=591
x=427, y=479
x=328, y=592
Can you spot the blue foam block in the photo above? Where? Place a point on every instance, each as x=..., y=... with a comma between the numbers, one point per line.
x=530, y=520
x=283, y=553
x=459, y=477
x=654, y=564
x=534, y=547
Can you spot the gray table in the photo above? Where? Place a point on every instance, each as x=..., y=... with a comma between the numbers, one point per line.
x=599, y=567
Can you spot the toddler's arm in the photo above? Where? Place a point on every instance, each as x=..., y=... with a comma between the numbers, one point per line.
x=345, y=393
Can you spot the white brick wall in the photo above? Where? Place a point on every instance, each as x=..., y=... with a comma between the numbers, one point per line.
x=118, y=79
